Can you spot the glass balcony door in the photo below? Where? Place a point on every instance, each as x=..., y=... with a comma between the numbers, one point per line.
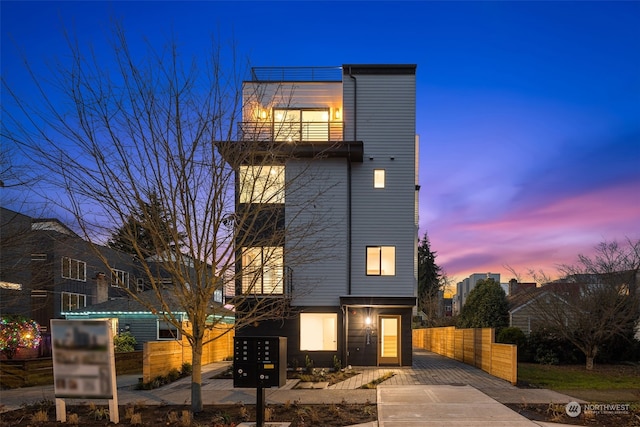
x=294, y=125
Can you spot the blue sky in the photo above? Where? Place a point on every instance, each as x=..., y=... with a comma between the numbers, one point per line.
x=528, y=112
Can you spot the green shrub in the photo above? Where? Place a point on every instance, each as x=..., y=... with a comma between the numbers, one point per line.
x=124, y=342
x=186, y=369
x=174, y=375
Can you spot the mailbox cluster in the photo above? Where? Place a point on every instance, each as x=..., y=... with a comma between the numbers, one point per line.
x=259, y=362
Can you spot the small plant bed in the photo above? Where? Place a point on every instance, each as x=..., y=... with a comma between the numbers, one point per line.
x=321, y=375
x=318, y=375
x=335, y=415
x=373, y=384
x=172, y=376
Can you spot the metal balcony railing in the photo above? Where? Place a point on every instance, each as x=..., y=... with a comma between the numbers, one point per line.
x=296, y=74
x=291, y=131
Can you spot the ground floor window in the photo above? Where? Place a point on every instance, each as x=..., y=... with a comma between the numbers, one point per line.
x=318, y=332
x=71, y=301
x=167, y=331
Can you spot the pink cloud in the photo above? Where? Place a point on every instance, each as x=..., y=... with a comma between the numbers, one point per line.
x=538, y=238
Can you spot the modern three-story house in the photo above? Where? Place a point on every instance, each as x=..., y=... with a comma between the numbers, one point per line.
x=332, y=152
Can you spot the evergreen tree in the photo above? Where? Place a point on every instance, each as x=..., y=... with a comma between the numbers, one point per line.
x=150, y=228
x=486, y=307
x=430, y=279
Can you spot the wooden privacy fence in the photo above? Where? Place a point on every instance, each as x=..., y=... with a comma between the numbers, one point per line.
x=476, y=347
x=160, y=357
x=30, y=372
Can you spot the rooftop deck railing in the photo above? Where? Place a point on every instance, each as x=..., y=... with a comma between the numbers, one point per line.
x=296, y=74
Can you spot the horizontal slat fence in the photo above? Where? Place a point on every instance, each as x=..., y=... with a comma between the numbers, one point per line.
x=476, y=347
x=160, y=357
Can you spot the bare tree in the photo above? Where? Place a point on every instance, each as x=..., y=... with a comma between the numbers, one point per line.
x=597, y=299
x=539, y=276
x=165, y=124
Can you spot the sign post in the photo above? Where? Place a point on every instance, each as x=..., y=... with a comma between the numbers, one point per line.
x=84, y=364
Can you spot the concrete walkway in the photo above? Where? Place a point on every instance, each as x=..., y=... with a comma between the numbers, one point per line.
x=434, y=391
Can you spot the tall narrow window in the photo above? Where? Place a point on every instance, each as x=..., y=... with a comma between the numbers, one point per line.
x=381, y=260
x=262, y=184
x=378, y=178
x=263, y=270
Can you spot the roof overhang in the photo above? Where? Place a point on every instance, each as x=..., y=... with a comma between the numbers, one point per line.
x=378, y=301
x=235, y=152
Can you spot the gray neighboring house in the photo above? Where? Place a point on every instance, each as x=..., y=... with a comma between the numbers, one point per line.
x=351, y=131
x=129, y=315
x=46, y=269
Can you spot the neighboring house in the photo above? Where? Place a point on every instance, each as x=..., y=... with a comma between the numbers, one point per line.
x=464, y=288
x=349, y=133
x=145, y=325
x=46, y=269
x=525, y=304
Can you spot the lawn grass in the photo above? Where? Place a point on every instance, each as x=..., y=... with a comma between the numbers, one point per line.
x=576, y=377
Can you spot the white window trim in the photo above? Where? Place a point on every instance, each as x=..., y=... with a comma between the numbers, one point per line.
x=114, y=278
x=81, y=266
x=65, y=295
x=170, y=327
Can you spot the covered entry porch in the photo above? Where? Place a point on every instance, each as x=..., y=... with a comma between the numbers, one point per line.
x=377, y=330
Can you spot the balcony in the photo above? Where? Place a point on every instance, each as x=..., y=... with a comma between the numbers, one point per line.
x=291, y=131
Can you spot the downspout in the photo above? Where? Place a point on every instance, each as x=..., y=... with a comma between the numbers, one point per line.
x=355, y=138
x=345, y=309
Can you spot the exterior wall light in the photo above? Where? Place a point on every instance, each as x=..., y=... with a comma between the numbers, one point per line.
x=337, y=114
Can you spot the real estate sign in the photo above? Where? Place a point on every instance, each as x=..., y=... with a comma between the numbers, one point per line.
x=83, y=359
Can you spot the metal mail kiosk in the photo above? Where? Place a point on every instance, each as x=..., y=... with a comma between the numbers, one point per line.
x=259, y=362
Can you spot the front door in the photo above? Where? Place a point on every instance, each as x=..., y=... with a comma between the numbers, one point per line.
x=389, y=340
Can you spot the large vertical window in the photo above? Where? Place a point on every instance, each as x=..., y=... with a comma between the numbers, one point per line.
x=71, y=301
x=74, y=269
x=262, y=184
x=381, y=260
x=378, y=178
x=318, y=331
x=263, y=270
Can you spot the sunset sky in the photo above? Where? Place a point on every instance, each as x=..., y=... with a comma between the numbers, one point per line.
x=528, y=112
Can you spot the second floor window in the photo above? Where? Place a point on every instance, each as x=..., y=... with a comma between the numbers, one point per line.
x=381, y=260
x=119, y=278
x=262, y=184
x=262, y=270
x=74, y=269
